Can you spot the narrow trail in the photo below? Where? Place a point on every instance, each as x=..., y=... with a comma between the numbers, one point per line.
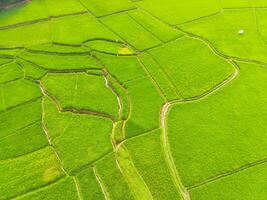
x=49, y=139
x=78, y=188
x=73, y=110
x=103, y=189
x=126, y=166
x=163, y=118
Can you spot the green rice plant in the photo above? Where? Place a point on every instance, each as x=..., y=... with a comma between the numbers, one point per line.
x=133, y=178
x=223, y=132
x=248, y=184
x=10, y=72
x=122, y=95
x=259, y=3
x=90, y=188
x=27, y=35
x=112, y=180
x=24, y=179
x=23, y=141
x=53, y=120
x=261, y=19
x=31, y=70
x=148, y=158
x=19, y=117
x=61, y=189
x=235, y=39
x=82, y=91
x=176, y=12
x=146, y=104
x=55, y=48
x=74, y=152
x=31, y=11
x=9, y=52
x=236, y=4
x=109, y=47
x=123, y=68
x=106, y=7
x=60, y=62
x=192, y=72
x=64, y=30
x=131, y=31
x=161, y=30
x=19, y=92
x=62, y=7
x=162, y=79
x=4, y=60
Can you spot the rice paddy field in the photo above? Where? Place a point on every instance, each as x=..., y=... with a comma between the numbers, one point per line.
x=133, y=100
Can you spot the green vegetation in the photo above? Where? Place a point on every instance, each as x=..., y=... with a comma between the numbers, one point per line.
x=64, y=188
x=148, y=158
x=206, y=69
x=94, y=130
x=90, y=188
x=106, y=7
x=199, y=143
x=133, y=100
x=131, y=31
x=28, y=172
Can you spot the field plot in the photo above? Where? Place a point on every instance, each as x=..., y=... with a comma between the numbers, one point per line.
x=133, y=100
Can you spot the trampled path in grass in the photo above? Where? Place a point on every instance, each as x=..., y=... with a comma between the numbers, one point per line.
x=133, y=100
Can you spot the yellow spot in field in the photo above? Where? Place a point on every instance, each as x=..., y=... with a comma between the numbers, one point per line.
x=124, y=50
x=50, y=174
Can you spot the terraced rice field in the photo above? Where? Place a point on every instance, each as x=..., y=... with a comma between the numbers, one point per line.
x=133, y=100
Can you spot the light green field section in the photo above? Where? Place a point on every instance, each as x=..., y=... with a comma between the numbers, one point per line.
x=112, y=180
x=161, y=78
x=89, y=186
x=133, y=178
x=82, y=91
x=19, y=117
x=222, y=132
x=64, y=30
x=4, y=60
x=159, y=29
x=63, y=7
x=60, y=62
x=192, y=72
x=131, y=31
x=248, y=184
x=110, y=47
x=38, y=10
x=18, y=92
x=27, y=35
x=106, y=7
x=261, y=19
x=133, y=100
x=10, y=72
x=24, y=179
x=8, y=53
x=62, y=189
x=227, y=39
x=24, y=13
x=176, y=12
x=54, y=48
x=124, y=68
x=236, y=3
x=146, y=103
x=148, y=158
x=259, y=3
x=122, y=97
x=78, y=138
x=28, y=139
x=31, y=70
